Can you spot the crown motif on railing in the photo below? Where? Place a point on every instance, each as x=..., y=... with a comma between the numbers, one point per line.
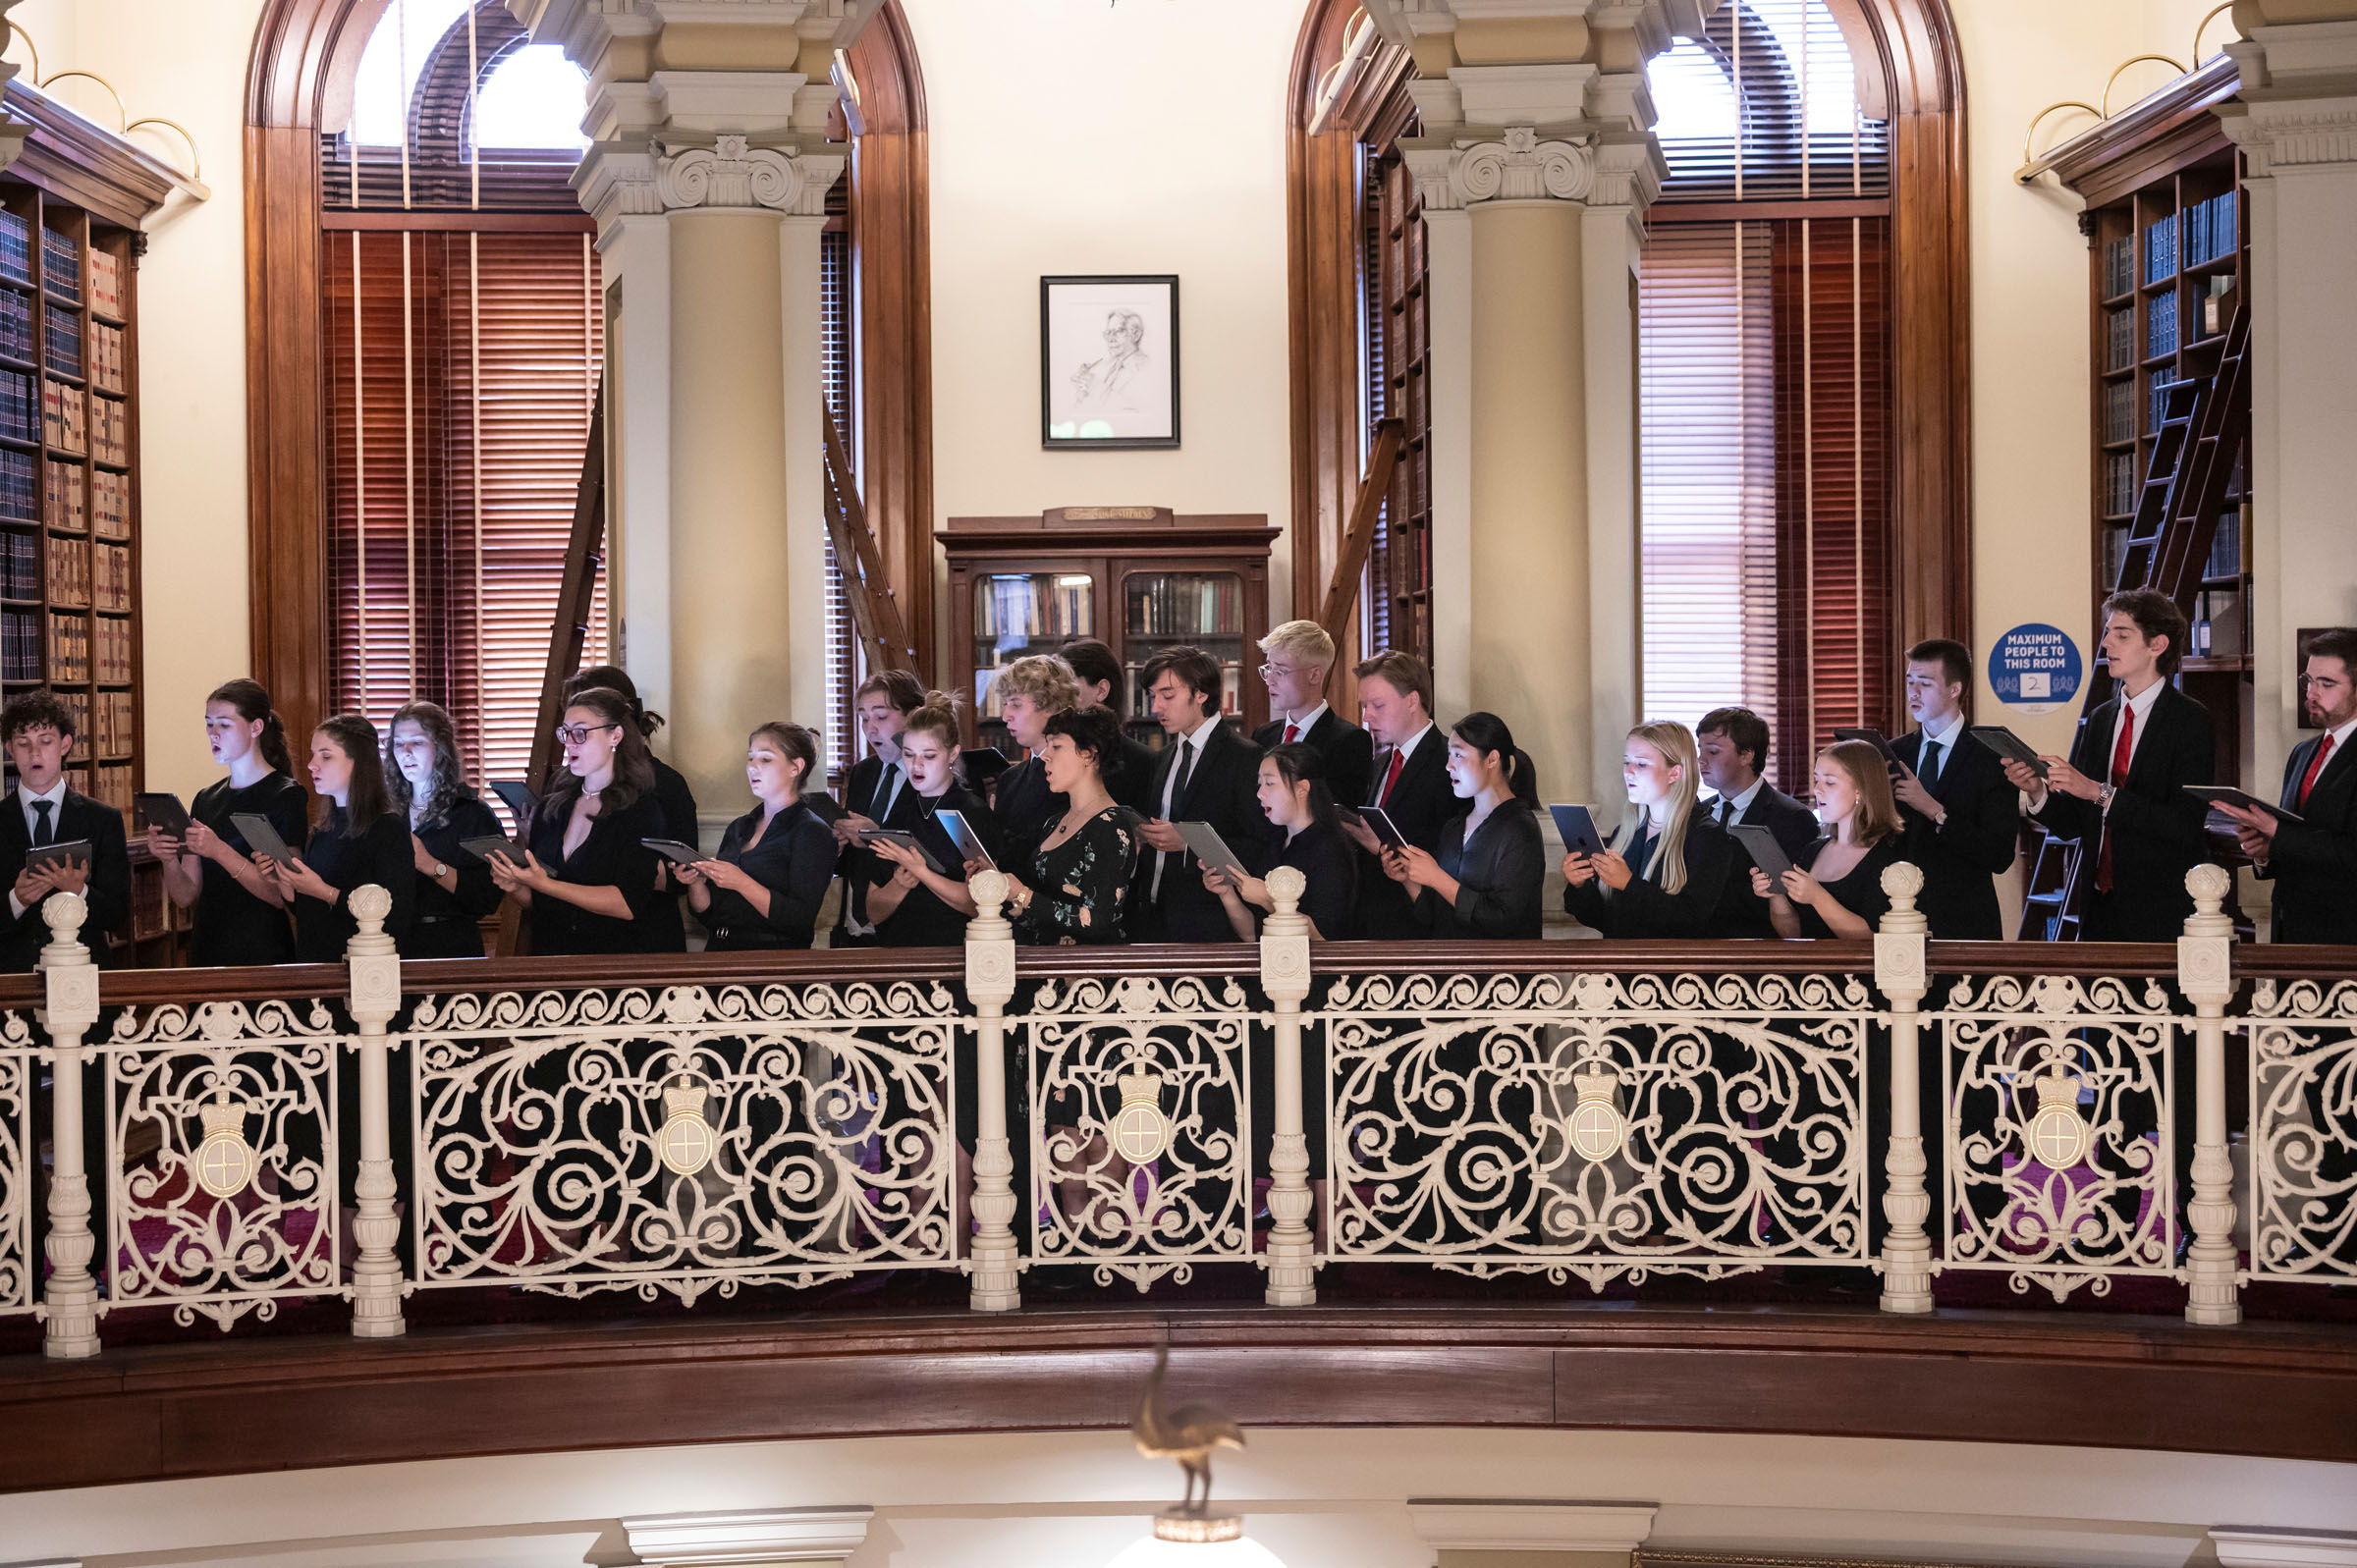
x=1142, y=1133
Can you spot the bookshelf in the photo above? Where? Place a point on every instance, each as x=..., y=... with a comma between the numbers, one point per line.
x=1138, y=579
x=2167, y=221
x=70, y=206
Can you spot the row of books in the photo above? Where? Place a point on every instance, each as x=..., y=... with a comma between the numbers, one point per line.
x=109, y=786
x=64, y=417
x=2119, y=339
x=2119, y=483
x=64, y=497
x=61, y=342
x=106, y=357
x=2209, y=230
x=2161, y=325
x=15, y=247
x=2115, y=556
x=78, y=654
x=2225, y=547
x=2160, y=249
x=20, y=645
x=106, y=285
x=1232, y=688
x=2119, y=410
x=1041, y=605
x=82, y=573
x=2158, y=408
x=110, y=430
x=19, y=565
x=2217, y=631
x=61, y=265
x=2120, y=267
x=110, y=504
x=16, y=487
x=19, y=412
x=1186, y=605
x=113, y=728
x=16, y=326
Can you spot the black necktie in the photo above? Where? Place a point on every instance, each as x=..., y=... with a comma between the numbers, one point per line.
x=41, y=832
x=884, y=783
x=1727, y=810
x=1931, y=762
x=1186, y=765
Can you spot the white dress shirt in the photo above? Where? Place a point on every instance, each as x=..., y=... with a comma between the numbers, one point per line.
x=1191, y=758
x=1306, y=723
x=1737, y=806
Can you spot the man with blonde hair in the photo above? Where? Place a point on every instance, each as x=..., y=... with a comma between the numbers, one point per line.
x=1301, y=656
x=1028, y=693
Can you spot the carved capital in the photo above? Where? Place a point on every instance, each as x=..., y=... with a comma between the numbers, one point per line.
x=1517, y=167
x=733, y=173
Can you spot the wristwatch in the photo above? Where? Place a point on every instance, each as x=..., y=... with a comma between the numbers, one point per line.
x=2103, y=798
x=440, y=871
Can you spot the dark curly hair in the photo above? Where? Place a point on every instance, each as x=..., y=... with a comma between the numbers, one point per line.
x=1094, y=729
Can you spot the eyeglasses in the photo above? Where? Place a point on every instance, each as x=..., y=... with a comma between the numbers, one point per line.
x=575, y=734
x=1276, y=670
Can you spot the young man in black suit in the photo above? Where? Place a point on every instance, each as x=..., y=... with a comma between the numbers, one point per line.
x=1961, y=816
x=2313, y=862
x=1408, y=777
x=1300, y=657
x=1207, y=774
x=1131, y=780
x=877, y=795
x=2121, y=794
x=37, y=730
x=1732, y=746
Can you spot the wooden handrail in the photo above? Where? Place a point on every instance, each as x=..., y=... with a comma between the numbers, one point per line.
x=875, y=609
x=1343, y=592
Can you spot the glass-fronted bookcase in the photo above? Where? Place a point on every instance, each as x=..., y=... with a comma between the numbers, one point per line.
x=1138, y=579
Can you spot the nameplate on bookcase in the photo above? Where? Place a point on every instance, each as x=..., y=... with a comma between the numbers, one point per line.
x=1087, y=516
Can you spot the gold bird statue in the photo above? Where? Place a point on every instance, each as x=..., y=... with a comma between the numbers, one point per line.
x=1187, y=1435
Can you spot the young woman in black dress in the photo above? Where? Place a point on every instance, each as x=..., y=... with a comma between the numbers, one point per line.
x=241, y=916
x=1665, y=871
x=1076, y=889
x=1295, y=797
x=1486, y=880
x=589, y=879
x=1836, y=888
x=428, y=787
x=917, y=906
x=661, y=929
x=764, y=888
x=1030, y=691
x=358, y=839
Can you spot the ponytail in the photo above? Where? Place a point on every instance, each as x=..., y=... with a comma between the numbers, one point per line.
x=1486, y=733
x=252, y=703
x=1523, y=775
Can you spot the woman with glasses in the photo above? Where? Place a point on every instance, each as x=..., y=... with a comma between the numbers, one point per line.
x=241, y=916
x=587, y=879
x=428, y=788
x=662, y=926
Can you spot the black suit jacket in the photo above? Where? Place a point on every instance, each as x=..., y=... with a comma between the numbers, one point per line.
x=2156, y=826
x=1347, y=751
x=2313, y=861
x=1223, y=790
x=1960, y=858
x=1422, y=804
x=22, y=938
x=1742, y=911
x=863, y=868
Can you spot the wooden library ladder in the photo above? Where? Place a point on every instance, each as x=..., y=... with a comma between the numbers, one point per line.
x=1342, y=594
x=875, y=609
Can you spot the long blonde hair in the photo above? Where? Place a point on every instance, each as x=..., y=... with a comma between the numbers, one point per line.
x=1676, y=742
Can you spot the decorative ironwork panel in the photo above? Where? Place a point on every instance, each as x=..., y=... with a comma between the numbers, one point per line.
x=2058, y=1096
x=18, y=1085
x=682, y=1139
x=1594, y=1125
x=2303, y=1146
x=220, y=1158
x=1141, y=1135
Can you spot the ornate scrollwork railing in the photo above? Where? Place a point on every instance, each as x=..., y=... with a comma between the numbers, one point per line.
x=1592, y=1126
x=695, y=1125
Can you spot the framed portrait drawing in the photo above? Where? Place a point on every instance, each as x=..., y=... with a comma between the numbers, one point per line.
x=1108, y=363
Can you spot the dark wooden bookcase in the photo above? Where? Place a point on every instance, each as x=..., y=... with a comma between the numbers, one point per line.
x=2168, y=224
x=70, y=207
x=1136, y=578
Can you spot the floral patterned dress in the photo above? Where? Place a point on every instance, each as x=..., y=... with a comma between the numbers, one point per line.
x=1080, y=888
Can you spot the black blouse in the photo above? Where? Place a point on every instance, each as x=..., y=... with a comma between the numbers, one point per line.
x=1860, y=893
x=231, y=925
x=1499, y=877
x=1080, y=888
x=379, y=853
x=1330, y=863
x=794, y=861
x=611, y=857
x=665, y=930
x=1644, y=908
x=922, y=920
x=449, y=924
x=1027, y=809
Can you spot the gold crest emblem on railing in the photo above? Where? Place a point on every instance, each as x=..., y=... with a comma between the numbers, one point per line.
x=2057, y=1135
x=225, y=1159
x=1142, y=1133
x=1596, y=1127
x=686, y=1144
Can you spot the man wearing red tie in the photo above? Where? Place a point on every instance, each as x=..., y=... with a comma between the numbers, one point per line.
x=1299, y=658
x=2123, y=794
x=2313, y=861
x=1410, y=783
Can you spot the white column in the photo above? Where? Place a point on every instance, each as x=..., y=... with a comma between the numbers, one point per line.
x=2206, y=974
x=989, y=985
x=1898, y=973
x=373, y=965
x=70, y=1301
x=2296, y=120
x=1292, y=1259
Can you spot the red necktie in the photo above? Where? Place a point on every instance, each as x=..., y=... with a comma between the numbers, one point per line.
x=1292, y=731
x=2316, y=766
x=2121, y=749
x=1390, y=777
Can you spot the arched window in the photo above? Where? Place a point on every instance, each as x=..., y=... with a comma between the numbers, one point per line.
x=1766, y=324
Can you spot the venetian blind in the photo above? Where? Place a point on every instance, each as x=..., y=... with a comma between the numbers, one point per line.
x=1397, y=592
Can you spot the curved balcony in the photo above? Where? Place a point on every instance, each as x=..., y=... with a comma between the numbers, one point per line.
x=1887, y=1188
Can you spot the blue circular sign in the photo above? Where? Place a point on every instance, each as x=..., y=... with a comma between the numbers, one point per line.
x=2034, y=668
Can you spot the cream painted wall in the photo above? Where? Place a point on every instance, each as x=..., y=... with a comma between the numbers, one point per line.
x=1071, y=137
x=185, y=62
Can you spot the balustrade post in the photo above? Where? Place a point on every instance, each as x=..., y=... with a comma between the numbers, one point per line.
x=1292, y=1260
x=2205, y=975
x=989, y=987
x=70, y=1300
x=1898, y=972
x=374, y=966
